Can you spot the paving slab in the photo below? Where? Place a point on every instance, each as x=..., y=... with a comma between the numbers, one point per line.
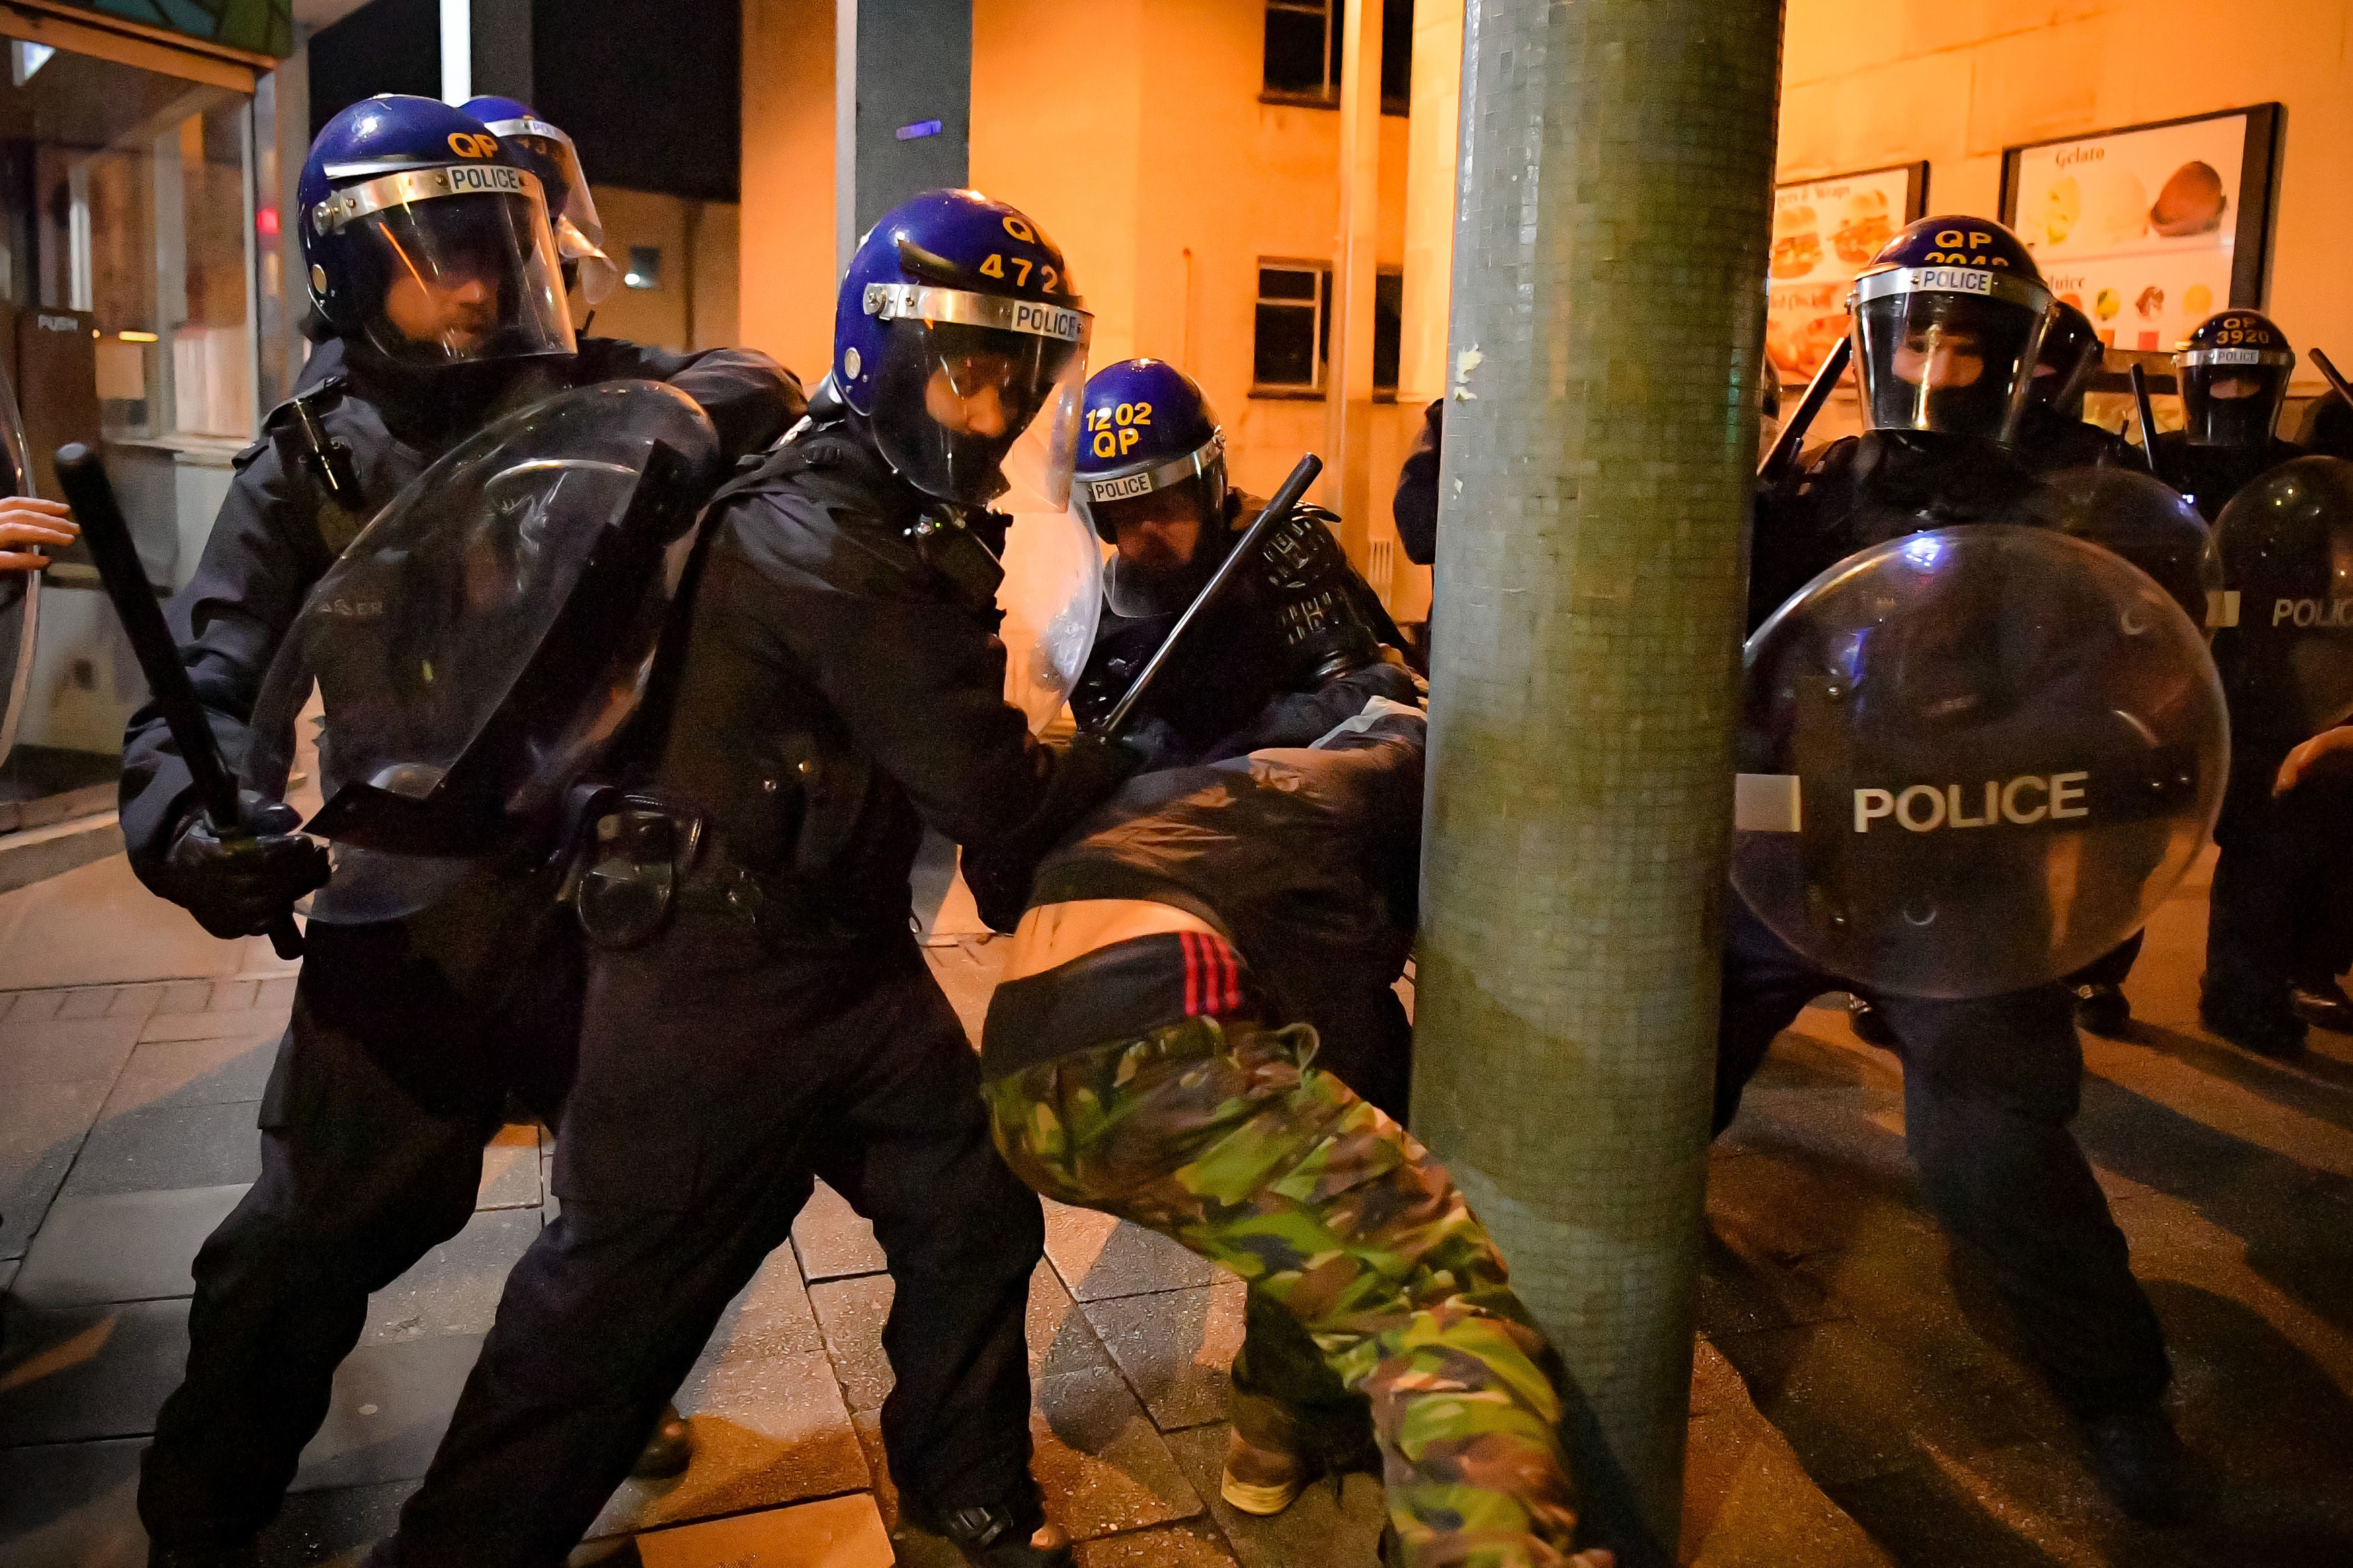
x=390, y=1406
x=42, y=1128
x=835, y=1532
x=1102, y=1465
x=71, y=1505
x=335, y=1527
x=831, y=1241
x=1319, y=1530
x=88, y=1372
x=96, y=925
x=158, y=1147
x=1748, y=1501
x=122, y=1246
x=455, y=1288
x=1100, y=1257
x=1188, y=1546
x=1174, y=1347
x=968, y=968
x=215, y=1070
x=512, y=1176
x=770, y=1425
x=226, y=1023
x=65, y=1050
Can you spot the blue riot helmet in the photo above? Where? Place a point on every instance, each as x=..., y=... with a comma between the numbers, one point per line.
x=2234, y=371
x=2071, y=356
x=959, y=338
x=579, y=232
x=426, y=239
x=1947, y=320
x=1152, y=482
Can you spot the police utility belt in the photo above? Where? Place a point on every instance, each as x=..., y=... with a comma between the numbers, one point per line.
x=639, y=859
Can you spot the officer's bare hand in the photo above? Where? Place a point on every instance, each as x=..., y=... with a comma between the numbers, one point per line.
x=29, y=525
x=2331, y=750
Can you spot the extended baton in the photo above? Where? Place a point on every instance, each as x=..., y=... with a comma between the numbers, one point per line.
x=83, y=476
x=2139, y=380
x=1302, y=475
x=2320, y=362
x=1818, y=391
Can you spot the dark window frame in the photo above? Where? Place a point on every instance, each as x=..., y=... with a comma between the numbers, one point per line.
x=1397, y=56
x=1321, y=303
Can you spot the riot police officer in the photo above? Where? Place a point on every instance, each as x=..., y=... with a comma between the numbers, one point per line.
x=1152, y=481
x=757, y=1007
x=429, y=256
x=2233, y=372
x=1948, y=322
x=2052, y=433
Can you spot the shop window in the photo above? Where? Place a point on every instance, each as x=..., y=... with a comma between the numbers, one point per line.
x=1388, y=327
x=1293, y=333
x=1304, y=44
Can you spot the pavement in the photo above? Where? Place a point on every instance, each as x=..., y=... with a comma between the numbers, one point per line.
x=1855, y=1399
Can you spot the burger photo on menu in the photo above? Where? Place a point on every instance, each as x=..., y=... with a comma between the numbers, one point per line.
x=1824, y=231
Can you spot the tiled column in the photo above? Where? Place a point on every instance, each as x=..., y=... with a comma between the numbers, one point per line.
x=1610, y=255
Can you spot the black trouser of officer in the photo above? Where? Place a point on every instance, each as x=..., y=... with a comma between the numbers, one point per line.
x=2277, y=915
x=406, y=1038
x=1990, y=1085
x=715, y=1072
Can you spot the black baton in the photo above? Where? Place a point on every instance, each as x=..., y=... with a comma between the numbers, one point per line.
x=1818, y=391
x=83, y=476
x=2320, y=362
x=1276, y=509
x=2148, y=415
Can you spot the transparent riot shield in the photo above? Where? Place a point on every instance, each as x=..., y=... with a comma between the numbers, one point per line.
x=2284, y=636
x=20, y=592
x=1052, y=597
x=486, y=636
x=1973, y=760
x=2144, y=520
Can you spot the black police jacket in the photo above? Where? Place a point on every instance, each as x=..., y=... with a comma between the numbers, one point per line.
x=1215, y=692
x=838, y=683
x=2049, y=441
x=277, y=530
x=1858, y=491
x=2211, y=476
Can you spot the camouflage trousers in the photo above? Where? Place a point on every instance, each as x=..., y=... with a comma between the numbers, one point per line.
x=1223, y=1137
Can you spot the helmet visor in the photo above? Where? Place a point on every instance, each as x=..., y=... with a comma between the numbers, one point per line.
x=579, y=232
x=1954, y=361
x=451, y=275
x=2233, y=398
x=1165, y=544
x=979, y=395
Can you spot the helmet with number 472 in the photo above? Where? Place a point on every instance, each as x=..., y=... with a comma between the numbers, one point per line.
x=958, y=337
x=1948, y=319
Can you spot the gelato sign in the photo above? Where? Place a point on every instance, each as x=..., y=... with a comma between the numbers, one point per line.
x=2148, y=230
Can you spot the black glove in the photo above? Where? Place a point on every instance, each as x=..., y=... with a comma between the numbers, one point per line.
x=999, y=871
x=236, y=885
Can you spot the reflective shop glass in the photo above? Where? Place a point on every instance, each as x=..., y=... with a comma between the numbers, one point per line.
x=131, y=268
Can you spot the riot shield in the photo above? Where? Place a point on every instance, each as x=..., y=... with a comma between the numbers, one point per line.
x=1052, y=596
x=2147, y=522
x=2284, y=636
x=20, y=592
x=1973, y=760
x=488, y=633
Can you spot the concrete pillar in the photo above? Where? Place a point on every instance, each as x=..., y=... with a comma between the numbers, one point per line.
x=903, y=107
x=1348, y=377
x=1617, y=160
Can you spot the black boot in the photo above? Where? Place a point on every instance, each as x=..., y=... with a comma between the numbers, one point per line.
x=2266, y=1031
x=1012, y=1533
x=1869, y=1025
x=2323, y=1004
x=2140, y=1463
x=2101, y=1009
x=669, y=1449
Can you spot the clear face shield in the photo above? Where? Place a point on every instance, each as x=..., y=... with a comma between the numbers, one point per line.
x=979, y=395
x=1168, y=525
x=579, y=232
x=2233, y=396
x=455, y=264
x=1946, y=349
